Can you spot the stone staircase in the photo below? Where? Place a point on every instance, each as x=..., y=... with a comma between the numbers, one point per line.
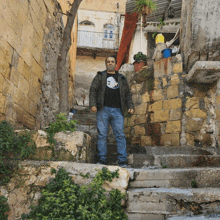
x=181, y=181
x=165, y=182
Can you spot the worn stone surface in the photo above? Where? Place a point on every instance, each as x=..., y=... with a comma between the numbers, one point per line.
x=139, y=130
x=175, y=79
x=196, y=113
x=157, y=95
x=173, y=127
x=175, y=114
x=192, y=102
x=29, y=49
x=156, y=106
x=34, y=175
x=162, y=67
x=170, y=140
x=136, y=88
x=190, y=139
x=178, y=68
x=139, y=216
x=193, y=125
x=77, y=143
x=204, y=72
x=177, y=161
x=172, y=91
x=141, y=109
x=140, y=119
x=172, y=104
x=198, y=35
x=160, y=116
x=70, y=146
x=146, y=141
x=168, y=201
x=40, y=139
x=145, y=97
x=181, y=178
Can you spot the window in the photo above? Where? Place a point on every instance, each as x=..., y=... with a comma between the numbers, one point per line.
x=108, y=31
x=86, y=34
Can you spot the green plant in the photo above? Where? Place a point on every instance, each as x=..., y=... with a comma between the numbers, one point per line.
x=13, y=147
x=61, y=124
x=145, y=6
x=194, y=184
x=4, y=207
x=63, y=199
x=160, y=25
x=139, y=57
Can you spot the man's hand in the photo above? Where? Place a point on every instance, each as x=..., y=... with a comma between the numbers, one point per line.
x=93, y=109
x=131, y=111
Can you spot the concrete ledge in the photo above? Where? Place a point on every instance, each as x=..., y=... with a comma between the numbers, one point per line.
x=181, y=161
x=204, y=72
x=182, y=178
x=163, y=201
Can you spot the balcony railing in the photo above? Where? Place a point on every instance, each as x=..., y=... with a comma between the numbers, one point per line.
x=92, y=39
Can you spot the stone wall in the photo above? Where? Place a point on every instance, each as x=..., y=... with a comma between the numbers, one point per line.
x=200, y=34
x=200, y=121
x=24, y=189
x=158, y=104
x=28, y=53
x=169, y=111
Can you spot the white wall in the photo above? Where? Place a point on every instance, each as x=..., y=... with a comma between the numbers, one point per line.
x=86, y=69
x=136, y=44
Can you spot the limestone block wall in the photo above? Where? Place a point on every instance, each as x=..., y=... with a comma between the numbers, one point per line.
x=201, y=116
x=158, y=110
x=171, y=112
x=29, y=43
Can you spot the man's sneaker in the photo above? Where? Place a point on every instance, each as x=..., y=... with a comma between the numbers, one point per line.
x=101, y=162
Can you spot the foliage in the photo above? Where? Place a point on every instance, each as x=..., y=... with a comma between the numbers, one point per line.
x=139, y=57
x=63, y=199
x=194, y=184
x=145, y=6
x=13, y=147
x=61, y=124
x=4, y=207
x=160, y=25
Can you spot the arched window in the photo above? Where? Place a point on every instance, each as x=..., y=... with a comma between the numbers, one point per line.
x=86, y=33
x=108, y=31
x=86, y=26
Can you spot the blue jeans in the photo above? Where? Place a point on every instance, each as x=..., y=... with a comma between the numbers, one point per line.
x=114, y=116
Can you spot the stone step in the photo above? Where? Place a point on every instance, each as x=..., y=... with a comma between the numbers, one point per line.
x=85, y=119
x=178, y=161
x=88, y=129
x=139, y=216
x=164, y=150
x=173, y=201
x=181, y=178
x=200, y=217
x=140, y=160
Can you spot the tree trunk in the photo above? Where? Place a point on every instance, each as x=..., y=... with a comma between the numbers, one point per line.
x=63, y=76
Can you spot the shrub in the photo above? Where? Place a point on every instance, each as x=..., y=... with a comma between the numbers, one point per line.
x=63, y=199
x=4, y=207
x=13, y=147
x=61, y=124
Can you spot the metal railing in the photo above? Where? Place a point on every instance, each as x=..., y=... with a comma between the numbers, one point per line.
x=92, y=39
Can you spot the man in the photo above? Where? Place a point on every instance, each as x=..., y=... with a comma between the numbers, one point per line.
x=109, y=97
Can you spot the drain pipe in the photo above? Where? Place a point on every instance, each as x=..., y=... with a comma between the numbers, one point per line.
x=141, y=32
